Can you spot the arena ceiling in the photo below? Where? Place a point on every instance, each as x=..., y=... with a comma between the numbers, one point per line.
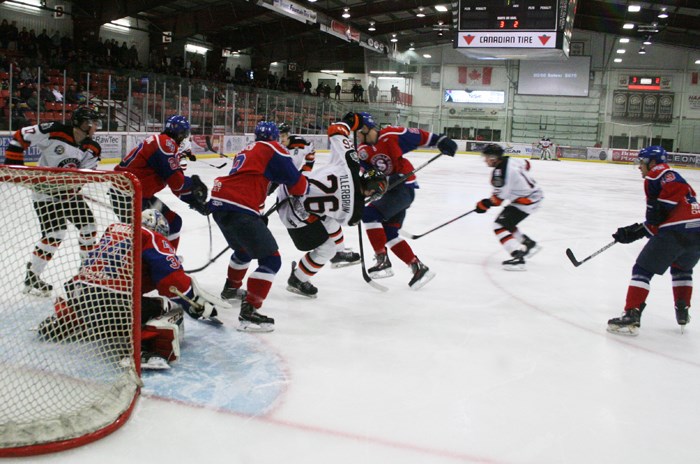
x=245, y=25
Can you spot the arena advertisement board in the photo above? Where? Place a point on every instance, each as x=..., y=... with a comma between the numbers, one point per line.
x=596, y=153
x=572, y=152
x=31, y=156
x=624, y=156
x=111, y=145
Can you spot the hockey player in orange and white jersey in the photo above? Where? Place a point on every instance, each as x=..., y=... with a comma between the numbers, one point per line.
x=303, y=154
x=335, y=198
x=61, y=146
x=512, y=182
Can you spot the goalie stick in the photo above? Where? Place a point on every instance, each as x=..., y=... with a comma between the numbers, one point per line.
x=415, y=236
x=577, y=263
x=213, y=320
x=365, y=275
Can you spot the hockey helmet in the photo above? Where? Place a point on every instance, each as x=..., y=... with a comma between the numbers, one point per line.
x=492, y=149
x=374, y=182
x=177, y=127
x=654, y=153
x=152, y=219
x=367, y=120
x=284, y=128
x=267, y=130
x=86, y=113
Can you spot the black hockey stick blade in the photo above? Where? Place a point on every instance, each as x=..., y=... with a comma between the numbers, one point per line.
x=572, y=258
x=211, y=320
x=365, y=274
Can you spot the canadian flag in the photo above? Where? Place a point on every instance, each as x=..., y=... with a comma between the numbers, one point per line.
x=479, y=76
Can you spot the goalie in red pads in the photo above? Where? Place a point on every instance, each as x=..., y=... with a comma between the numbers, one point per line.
x=104, y=279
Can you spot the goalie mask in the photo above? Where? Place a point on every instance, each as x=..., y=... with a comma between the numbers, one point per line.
x=152, y=219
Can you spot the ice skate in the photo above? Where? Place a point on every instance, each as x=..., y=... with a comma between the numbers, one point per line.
x=682, y=316
x=33, y=284
x=382, y=268
x=627, y=324
x=153, y=361
x=421, y=275
x=295, y=285
x=232, y=293
x=252, y=321
x=531, y=247
x=345, y=258
x=517, y=263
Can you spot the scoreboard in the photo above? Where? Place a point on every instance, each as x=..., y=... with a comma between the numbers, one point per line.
x=515, y=29
x=524, y=15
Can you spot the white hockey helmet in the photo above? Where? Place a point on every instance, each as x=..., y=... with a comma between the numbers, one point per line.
x=154, y=220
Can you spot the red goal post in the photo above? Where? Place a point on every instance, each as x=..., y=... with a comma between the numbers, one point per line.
x=78, y=380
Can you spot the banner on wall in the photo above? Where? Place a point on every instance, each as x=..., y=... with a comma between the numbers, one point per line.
x=111, y=145
x=30, y=156
x=694, y=102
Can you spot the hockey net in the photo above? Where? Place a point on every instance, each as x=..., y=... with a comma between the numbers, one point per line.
x=537, y=152
x=69, y=350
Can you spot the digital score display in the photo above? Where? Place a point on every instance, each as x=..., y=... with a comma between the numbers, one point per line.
x=520, y=15
x=643, y=83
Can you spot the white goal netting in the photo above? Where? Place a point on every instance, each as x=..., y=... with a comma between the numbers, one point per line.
x=68, y=305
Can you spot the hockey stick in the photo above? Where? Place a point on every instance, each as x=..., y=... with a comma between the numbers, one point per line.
x=267, y=213
x=365, y=275
x=577, y=263
x=415, y=236
x=213, y=320
x=207, y=140
x=213, y=165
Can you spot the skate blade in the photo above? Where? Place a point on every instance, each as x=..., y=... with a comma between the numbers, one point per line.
x=155, y=363
x=36, y=292
x=424, y=280
x=514, y=267
x=211, y=320
x=382, y=274
x=628, y=331
x=247, y=326
x=344, y=264
x=299, y=292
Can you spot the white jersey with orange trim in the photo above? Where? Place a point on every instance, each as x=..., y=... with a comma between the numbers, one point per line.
x=512, y=181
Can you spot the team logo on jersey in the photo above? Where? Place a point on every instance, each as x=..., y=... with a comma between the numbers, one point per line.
x=44, y=126
x=60, y=149
x=170, y=145
x=383, y=163
x=69, y=163
x=363, y=154
x=669, y=177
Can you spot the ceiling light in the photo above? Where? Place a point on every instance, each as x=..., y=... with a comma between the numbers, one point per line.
x=312, y=1
x=697, y=61
x=618, y=60
x=346, y=12
x=642, y=51
x=634, y=8
x=420, y=13
x=647, y=41
x=628, y=26
x=371, y=27
x=441, y=8
x=411, y=48
x=393, y=38
x=439, y=33
x=426, y=55
x=331, y=71
x=663, y=14
x=624, y=40
x=621, y=51
x=382, y=72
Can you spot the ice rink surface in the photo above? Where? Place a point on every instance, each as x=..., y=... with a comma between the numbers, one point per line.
x=481, y=365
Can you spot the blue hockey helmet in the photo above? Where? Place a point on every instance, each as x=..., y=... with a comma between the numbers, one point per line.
x=654, y=153
x=367, y=120
x=267, y=130
x=177, y=127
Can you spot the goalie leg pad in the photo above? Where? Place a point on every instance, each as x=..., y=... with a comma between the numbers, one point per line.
x=162, y=336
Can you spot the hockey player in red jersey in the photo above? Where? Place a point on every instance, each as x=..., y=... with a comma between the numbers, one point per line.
x=105, y=278
x=61, y=146
x=672, y=224
x=512, y=182
x=237, y=201
x=156, y=163
x=383, y=150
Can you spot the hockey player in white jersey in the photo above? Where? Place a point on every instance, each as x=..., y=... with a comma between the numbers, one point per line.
x=512, y=182
x=303, y=154
x=336, y=198
x=61, y=146
x=545, y=146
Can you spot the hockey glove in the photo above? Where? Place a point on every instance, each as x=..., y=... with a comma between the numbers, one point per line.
x=198, y=201
x=201, y=308
x=483, y=206
x=297, y=204
x=447, y=146
x=629, y=234
x=190, y=156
